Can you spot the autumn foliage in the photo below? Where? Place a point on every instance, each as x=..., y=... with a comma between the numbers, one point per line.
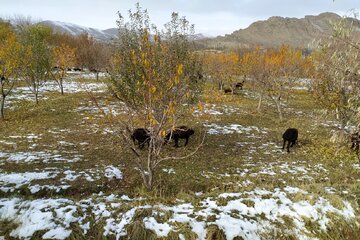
x=64, y=58
x=154, y=75
x=223, y=67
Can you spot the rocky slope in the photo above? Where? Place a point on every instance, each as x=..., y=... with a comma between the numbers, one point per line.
x=279, y=30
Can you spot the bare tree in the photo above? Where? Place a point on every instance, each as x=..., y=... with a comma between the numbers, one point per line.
x=91, y=54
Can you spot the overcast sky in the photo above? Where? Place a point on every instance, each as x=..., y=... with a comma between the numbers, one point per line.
x=211, y=17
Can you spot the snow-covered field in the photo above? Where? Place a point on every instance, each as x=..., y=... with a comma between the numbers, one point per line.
x=269, y=188
x=69, y=86
x=247, y=214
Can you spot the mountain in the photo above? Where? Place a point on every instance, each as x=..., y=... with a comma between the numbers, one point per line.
x=100, y=35
x=279, y=30
x=73, y=29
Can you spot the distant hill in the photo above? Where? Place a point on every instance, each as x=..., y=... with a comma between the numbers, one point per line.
x=73, y=29
x=100, y=35
x=279, y=30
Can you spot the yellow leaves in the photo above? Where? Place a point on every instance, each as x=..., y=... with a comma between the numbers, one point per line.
x=153, y=89
x=200, y=107
x=176, y=79
x=64, y=57
x=12, y=58
x=145, y=35
x=172, y=108
x=162, y=133
x=179, y=70
x=152, y=119
x=133, y=56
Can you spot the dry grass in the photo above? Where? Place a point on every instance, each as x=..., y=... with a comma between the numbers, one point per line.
x=215, y=169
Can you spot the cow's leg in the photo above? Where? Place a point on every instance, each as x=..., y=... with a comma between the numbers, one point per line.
x=288, y=146
x=187, y=140
x=176, y=142
x=284, y=144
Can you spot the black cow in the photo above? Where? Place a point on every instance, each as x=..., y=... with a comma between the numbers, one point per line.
x=355, y=142
x=291, y=136
x=2, y=78
x=240, y=85
x=142, y=136
x=227, y=90
x=181, y=132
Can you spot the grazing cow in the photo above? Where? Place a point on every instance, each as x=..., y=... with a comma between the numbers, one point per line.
x=291, y=136
x=227, y=90
x=240, y=85
x=181, y=132
x=355, y=142
x=142, y=136
x=76, y=69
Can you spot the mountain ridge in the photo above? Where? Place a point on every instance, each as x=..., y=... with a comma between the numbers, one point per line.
x=276, y=30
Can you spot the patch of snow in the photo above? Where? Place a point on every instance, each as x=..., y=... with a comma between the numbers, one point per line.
x=113, y=172
x=169, y=171
x=29, y=157
x=232, y=128
x=20, y=179
x=161, y=229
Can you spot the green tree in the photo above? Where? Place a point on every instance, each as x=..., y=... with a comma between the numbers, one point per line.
x=35, y=37
x=154, y=78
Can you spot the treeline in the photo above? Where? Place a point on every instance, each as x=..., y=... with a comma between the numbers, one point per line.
x=331, y=72
x=34, y=53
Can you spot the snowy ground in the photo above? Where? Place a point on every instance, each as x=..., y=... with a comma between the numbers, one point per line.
x=33, y=191
x=70, y=86
x=245, y=214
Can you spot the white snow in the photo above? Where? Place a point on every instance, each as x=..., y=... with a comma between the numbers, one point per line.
x=233, y=128
x=113, y=172
x=42, y=156
x=161, y=229
x=169, y=171
x=235, y=217
x=20, y=179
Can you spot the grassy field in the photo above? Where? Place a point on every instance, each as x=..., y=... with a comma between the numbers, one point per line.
x=65, y=175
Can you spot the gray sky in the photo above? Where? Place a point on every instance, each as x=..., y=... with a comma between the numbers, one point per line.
x=209, y=16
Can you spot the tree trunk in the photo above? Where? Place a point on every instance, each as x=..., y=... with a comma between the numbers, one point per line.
x=147, y=179
x=220, y=85
x=2, y=107
x=260, y=102
x=61, y=87
x=97, y=76
x=337, y=114
x=277, y=102
x=278, y=105
x=37, y=97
